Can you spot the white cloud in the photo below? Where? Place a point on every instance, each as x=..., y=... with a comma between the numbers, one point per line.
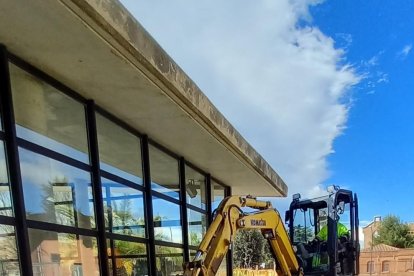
x=373, y=61
x=372, y=75
x=382, y=78
x=405, y=51
x=281, y=82
x=345, y=39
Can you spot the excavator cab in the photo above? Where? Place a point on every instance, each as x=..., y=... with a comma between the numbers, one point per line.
x=324, y=233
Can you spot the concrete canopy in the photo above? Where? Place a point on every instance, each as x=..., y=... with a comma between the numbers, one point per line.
x=99, y=50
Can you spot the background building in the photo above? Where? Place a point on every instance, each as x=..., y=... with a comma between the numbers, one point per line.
x=386, y=260
x=111, y=159
x=383, y=259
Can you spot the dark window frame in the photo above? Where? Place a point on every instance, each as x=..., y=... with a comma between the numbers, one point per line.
x=177, y=158
x=206, y=183
x=94, y=169
x=112, y=118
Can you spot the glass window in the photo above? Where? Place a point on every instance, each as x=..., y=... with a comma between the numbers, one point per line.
x=371, y=267
x=192, y=253
x=219, y=193
x=55, y=192
x=63, y=254
x=124, y=209
x=345, y=216
x=130, y=258
x=385, y=266
x=169, y=260
x=167, y=220
x=164, y=173
x=47, y=117
x=304, y=224
x=5, y=197
x=195, y=185
x=119, y=150
x=9, y=263
x=196, y=227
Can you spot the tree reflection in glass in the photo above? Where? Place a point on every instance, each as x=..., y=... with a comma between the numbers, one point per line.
x=124, y=209
x=55, y=192
x=130, y=258
x=196, y=227
x=169, y=260
x=9, y=262
x=5, y=199
x=167, y=221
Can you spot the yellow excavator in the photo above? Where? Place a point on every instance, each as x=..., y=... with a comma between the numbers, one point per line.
x=297, y=249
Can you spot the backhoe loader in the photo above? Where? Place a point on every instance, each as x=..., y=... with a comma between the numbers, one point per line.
x=297, y=250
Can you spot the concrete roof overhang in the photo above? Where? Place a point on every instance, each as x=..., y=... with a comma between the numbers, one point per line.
x=99, y=50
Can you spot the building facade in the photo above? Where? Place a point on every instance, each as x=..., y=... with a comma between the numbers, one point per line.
x=383, y=259
x=386, y=260
x=111, y=159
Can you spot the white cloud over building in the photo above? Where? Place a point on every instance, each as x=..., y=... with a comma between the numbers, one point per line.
x=278, y=78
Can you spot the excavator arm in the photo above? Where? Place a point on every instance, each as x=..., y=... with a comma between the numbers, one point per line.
x=228, y=220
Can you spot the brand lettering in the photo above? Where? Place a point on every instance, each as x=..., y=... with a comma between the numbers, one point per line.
x=258, y=222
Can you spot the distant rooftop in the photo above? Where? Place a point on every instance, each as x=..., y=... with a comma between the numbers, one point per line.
x=381, y=248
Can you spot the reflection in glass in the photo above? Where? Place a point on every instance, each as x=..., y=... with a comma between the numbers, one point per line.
x=5, y=198
x=192, y=253
x=196, y=227
x=9, y=263
x=164, y=173
x=195, y=186
x=55, y=192
x=130, y=258
x=344, y=216
x=219, y=193
x=124, y=209
x=119, y=150
x=63, y=254
x=303, y=227
x=169, y=260
x=167, y=221
x=47, y=117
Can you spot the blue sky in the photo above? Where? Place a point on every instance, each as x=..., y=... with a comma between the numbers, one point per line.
x=327, y=82
x=375, y=155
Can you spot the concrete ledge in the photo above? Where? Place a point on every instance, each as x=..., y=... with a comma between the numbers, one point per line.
x=99, y=50
x=112, y=17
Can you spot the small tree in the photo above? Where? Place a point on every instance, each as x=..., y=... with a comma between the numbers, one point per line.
x=250, y=249
x=394, y=233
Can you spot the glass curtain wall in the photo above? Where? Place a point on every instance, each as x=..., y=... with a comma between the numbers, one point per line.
x=196, y=198
x=123, y=197
x=9, y=262
x=166, y=201
x=56, y=177
x=60, y=189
